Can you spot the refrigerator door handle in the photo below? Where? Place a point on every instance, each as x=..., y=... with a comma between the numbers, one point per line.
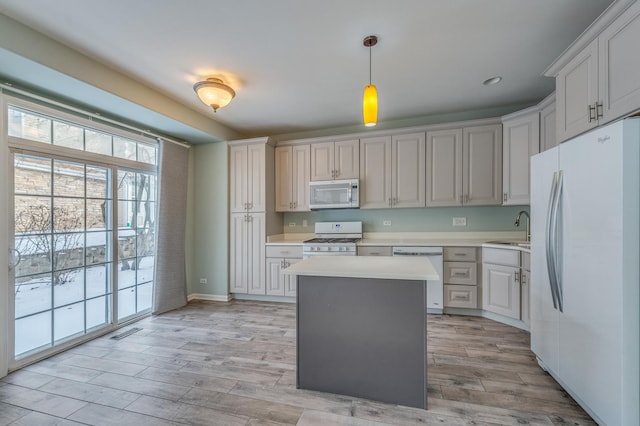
x=557, y=259
x=548, y=243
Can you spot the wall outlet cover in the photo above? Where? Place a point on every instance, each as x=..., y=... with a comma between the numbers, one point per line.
x=292, y=224
x=203, y=280
x=386, y=223
x=459, y=221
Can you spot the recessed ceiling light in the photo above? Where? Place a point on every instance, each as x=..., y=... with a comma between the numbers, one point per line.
x=493, y=80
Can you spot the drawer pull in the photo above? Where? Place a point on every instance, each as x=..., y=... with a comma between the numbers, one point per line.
x=460, y=274
x=459, y=254
x=460, y=297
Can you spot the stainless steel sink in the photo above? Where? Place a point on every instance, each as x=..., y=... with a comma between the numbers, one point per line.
x=523, y=244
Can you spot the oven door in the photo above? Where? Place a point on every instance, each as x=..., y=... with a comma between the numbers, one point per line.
x=334, y=194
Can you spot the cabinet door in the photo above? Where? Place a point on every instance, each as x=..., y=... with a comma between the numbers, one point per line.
x=322, y=155
x=407, y=170
x=482, y=165
x=290, y=282
x=347, y=159
x=300, y=178
x=375, y=172
x=256, y=236
x=284, y=178
x=238, y=178
x=576, y=91
x=257, y=177
x=619, y=65
x=501, y=290
x=521, y=140
x=548, y=127
x=238, y=259
x=274, y=283
x=444, y=168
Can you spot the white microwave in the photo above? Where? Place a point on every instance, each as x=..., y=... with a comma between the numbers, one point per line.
x=334, y=194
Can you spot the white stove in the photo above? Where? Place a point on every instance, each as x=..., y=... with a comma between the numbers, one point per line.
x=333, y=239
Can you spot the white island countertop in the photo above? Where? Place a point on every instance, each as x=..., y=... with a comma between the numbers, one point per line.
x=399, y=268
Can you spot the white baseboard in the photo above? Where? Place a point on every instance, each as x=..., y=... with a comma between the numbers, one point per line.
x=209, y=297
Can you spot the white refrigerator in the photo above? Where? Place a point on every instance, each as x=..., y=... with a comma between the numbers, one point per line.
x=585, y=278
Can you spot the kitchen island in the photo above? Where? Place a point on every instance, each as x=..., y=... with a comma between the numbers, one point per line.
x=361, y=327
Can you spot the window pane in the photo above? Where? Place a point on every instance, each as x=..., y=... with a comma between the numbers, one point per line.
x=68, y=286
x=126, y=244
x=124, y=148
x=33, y=294
x=147, y=153
x=68, y=253
x=32, y=214
x=126, y=185
x=126, y=273
x=68, y=321
x=66, y=135
x=97, y=280
x=33, y=332
x=97, y=142
x=127, y=215
x=97, y=182
x=32, y=176
x=97, y=213
x=145, y=242
x=126, y=302
x=29, y=126
x=68, y=214
x=68, y=179
x=98, y=312
x=145, y=269
x=98, y=247
x=145, y=189
x=34, y=253
x=144, y=296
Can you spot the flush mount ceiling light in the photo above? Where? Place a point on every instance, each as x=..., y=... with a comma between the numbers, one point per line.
x=214, y=93
x=370, y=96
x=493, y=80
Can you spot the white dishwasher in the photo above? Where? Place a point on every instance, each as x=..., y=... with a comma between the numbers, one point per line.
x=435, y=291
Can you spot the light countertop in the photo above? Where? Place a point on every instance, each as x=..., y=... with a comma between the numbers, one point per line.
x=400, y=268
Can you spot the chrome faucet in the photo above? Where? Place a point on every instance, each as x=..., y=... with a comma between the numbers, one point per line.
x=528, y=223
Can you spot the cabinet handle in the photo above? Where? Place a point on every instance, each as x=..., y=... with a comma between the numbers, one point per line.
x=460, y=274
x=295, y=204
x=459, y=254
x=516, y=276
x=523, y=280
x=599, y=110
x=591, y=110
x=504, y=197
x=389, y=202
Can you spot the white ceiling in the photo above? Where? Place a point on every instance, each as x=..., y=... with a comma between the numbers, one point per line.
x=300, y=65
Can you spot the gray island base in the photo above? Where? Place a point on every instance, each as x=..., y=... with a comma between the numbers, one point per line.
x=363, y=333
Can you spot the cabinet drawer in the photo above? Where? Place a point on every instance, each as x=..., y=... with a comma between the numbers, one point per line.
x=460, y=273
x=526, y=261
x=460, y=296
x=284, y=251
x=501, y=257
x=374, y=251
x=460, y=254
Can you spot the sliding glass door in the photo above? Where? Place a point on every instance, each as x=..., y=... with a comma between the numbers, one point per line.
x=63, y=226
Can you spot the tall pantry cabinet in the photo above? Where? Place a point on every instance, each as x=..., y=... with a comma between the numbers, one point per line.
x=252, y=208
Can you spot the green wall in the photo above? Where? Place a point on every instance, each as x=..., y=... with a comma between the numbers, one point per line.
x=210, y=247
x=433, y=219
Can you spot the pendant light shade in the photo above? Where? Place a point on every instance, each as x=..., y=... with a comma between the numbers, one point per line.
x=214, y=92
x=370, y=105
x=370, y=96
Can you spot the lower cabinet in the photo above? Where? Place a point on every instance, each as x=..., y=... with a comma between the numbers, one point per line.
x=279, y=258
x=501, y=282
x=525, y=281
x=460, y=277
x=247, y=253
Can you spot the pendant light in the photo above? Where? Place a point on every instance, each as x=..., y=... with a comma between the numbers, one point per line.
x=370, y=96
x=214, y=93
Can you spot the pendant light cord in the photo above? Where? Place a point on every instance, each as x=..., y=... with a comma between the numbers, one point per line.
x=369, y=65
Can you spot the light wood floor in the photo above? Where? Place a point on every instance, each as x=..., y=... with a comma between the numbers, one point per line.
x=234, y=364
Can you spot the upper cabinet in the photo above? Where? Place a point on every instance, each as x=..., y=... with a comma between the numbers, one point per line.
x=292, y=178
x=548, y=123
x=248, y=177
x=392, y=171
x=520, y=140
x=464, y=166
x=335, y=160
x=599, y=83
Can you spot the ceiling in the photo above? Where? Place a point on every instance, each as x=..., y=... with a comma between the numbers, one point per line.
x=300, y=65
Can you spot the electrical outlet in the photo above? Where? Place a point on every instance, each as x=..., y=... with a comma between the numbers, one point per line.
x=292, y=224
x=459, y=221
x=386, y=223
x=203, y=280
